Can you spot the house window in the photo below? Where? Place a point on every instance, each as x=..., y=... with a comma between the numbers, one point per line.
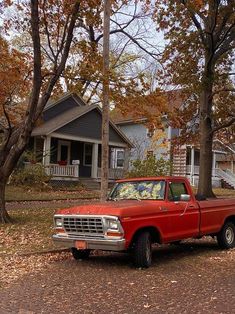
x=119, y=158
x=87, y=161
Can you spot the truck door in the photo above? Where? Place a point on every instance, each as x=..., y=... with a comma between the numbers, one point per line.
x=183, y=215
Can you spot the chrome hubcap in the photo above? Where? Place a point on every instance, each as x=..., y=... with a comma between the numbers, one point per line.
x=229, y=235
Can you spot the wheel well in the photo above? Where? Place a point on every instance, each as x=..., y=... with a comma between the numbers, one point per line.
x=230, y=218
x=154, y=232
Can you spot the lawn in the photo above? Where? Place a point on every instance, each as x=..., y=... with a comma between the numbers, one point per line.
x=16, y=193
x=31, y=231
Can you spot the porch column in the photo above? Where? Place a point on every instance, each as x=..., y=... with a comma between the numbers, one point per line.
x=213, y=164
x=46, y=151
x=94, y=167
x=192, y=165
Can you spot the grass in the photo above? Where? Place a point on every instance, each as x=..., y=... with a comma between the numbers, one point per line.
x=224, y=192
x=31, y=231
x=16, y=193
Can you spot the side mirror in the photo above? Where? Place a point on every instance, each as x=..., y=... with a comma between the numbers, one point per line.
x=185, y=197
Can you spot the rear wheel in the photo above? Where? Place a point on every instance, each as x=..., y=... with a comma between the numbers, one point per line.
x=176, y=242
x=143, y=250
x=226, y=237
x=80, y=254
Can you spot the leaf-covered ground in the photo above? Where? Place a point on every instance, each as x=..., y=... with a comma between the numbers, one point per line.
x=194, y=277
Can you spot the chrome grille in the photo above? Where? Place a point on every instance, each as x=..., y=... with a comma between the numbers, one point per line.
x=84, y=225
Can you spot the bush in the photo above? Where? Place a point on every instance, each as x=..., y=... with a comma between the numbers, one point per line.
x=32, y=175
x=149, y=167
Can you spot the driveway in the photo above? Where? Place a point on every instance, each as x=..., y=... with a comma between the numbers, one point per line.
x=194, y=277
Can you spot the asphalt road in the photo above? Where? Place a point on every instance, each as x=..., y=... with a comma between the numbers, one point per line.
x=194, y=277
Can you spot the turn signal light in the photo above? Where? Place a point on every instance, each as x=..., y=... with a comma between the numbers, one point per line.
x=59, y=230
x=114, y=234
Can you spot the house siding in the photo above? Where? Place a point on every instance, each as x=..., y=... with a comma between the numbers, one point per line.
x=59, y=108
x=137, y=133
x=89, y=126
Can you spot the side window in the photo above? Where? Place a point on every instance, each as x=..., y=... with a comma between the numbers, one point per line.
x=175, y=190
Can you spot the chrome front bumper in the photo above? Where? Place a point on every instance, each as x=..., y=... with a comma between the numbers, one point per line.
x=92, y=244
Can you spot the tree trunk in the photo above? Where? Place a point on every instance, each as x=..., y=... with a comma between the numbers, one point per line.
x=4, y=216
x=206, y=137
x=105, y=115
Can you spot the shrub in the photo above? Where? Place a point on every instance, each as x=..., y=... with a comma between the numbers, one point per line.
x=149, y=167
x=32, y=175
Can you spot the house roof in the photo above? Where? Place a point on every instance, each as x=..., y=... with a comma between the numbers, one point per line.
x=174, y=100
x=230, y=147
x=75, y=97
x=61, y=120
x=70, y=115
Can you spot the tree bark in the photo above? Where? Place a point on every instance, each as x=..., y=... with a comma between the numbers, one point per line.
x=206, y=136
x=105, y=115
x=4, y=216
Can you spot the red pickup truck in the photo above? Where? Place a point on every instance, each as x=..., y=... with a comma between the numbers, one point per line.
x=143, y=211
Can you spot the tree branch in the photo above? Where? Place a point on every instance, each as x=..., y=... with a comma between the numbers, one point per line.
x=223, y=126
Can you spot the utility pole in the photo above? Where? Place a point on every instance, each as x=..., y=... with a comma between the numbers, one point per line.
x=105, y=109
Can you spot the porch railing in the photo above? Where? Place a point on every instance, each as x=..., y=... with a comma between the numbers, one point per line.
x=114, y=173
x=196, y=170
x=56, y=170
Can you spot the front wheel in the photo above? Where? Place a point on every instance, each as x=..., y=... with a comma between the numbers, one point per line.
x=226, y=237
x=143, y=250
x=80, y=254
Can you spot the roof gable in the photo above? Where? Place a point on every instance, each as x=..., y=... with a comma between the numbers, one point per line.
x=62, y=105
x=62, y=120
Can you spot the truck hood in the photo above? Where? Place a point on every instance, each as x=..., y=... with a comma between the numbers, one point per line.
x=123, y=208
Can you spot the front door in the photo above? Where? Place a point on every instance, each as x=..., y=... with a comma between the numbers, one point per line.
x=183, y=215
x=64, y=151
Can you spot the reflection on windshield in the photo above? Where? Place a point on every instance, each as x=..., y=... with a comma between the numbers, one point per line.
x=139, y=190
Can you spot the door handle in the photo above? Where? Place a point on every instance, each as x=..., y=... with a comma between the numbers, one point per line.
x=165, y=209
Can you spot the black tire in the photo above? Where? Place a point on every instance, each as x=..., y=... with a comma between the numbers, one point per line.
x=143, y=250
x=176, y=242
x=226, y=237
x=80, y=254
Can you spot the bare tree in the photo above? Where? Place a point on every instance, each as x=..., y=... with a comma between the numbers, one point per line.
x=105, y=114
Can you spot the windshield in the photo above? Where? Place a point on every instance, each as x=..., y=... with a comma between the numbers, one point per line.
x=139, y=190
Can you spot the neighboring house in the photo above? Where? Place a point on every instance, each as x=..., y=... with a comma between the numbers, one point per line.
x=185, y=158
x=69, y=140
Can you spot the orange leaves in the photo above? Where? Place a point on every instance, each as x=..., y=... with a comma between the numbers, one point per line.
x=14, y=85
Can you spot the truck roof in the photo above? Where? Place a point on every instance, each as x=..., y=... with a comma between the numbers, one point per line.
x=153, y=178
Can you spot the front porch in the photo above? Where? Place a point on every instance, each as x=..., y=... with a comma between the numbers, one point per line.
x=192, y=167
x=67, y=159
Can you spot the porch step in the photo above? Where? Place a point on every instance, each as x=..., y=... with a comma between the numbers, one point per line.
x=227, y=185
x=227, y=178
